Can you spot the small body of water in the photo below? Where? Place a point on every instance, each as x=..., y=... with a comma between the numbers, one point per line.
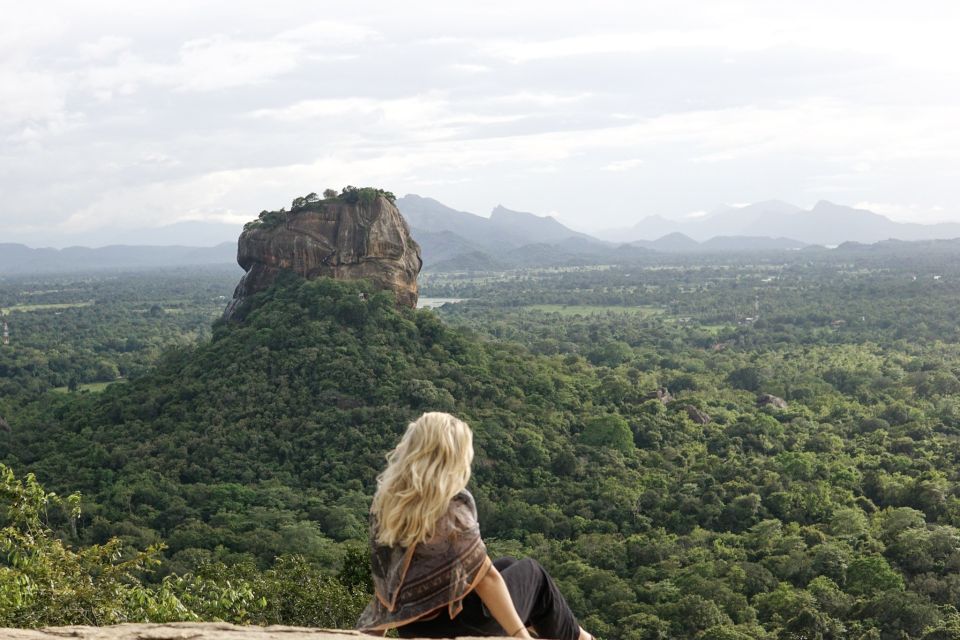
x=433, y=303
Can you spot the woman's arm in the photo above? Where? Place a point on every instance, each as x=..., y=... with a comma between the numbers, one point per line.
x=493, y=592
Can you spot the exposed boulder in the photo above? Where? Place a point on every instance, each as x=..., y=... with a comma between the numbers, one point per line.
x=662, y=394
x=767, y=400
x=697, y=415
x=347, y=238
x=4, y=426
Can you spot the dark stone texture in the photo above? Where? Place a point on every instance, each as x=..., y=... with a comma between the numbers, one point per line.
x=697, y=415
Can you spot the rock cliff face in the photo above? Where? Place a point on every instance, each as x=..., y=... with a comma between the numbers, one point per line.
x=332, y=238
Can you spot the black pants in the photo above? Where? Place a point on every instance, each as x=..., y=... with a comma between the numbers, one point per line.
x=535, y=597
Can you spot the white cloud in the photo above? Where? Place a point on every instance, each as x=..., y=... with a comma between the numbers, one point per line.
x=421, y=108
x=425, y=116
x=166, y=104
x=544, y=169
x=740, y=36
x=232, y=193
x=26, y=28
x=29, y=96
x=352, y=161
x=104, y=47
x=747, y=27
x=623, y=165
x=433, y=182
x=470, y=68
x=217, y=61
x=35, y=132
x=540, y=99
x=327, y=34
x=711, y=158
x=220, y=62
x=435, y=41
x=158, y=159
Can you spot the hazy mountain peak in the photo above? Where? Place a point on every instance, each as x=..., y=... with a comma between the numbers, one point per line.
x=444, y=231
x=670, y=242
x=412, y=205
x=656, y=217
x=676, y=236
x=502, y=212
x=412, y=199
x=826, y=205
x=536, y=228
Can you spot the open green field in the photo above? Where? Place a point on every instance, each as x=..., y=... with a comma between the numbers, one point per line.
x=45, y=307
x=93, y=387
x=715, y=328
x=593, y=310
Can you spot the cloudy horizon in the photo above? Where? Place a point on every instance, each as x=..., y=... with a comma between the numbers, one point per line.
x=121, y=116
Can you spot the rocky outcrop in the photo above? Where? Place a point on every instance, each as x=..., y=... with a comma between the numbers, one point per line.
x=662, y=394
x=767, y=400
x=697, y=415
x=179, y=631
x=331, y=238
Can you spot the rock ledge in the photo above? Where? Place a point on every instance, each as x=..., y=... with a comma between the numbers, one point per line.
x=180, y=631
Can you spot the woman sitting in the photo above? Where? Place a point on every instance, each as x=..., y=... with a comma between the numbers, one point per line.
x=431, y=573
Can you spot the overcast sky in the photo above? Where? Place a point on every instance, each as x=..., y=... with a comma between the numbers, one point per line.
x=135, y=114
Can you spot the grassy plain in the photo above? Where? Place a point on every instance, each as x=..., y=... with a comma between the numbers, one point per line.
x=45, y=307
x=92, y=387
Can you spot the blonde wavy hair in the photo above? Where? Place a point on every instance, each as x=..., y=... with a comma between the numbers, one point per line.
x=424, y=472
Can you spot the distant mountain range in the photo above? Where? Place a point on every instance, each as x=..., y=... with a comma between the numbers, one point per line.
x=457, y=240
x=453, y=239
x=504, y=228
x=825, y=224
x=193, y=233
x=17, y=258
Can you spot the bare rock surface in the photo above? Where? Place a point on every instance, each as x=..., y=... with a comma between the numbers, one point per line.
x=331, y=238
x=697, y=415
x=180, y=631
x=768, y=400
x=662, y=394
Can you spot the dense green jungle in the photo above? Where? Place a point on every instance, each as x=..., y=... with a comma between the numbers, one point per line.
x=715, y=447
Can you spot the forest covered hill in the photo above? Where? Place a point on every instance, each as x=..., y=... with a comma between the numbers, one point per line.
x=834, y=517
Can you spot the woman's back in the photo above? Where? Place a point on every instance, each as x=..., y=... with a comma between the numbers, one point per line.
x=413, y=581
x=431, y=572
